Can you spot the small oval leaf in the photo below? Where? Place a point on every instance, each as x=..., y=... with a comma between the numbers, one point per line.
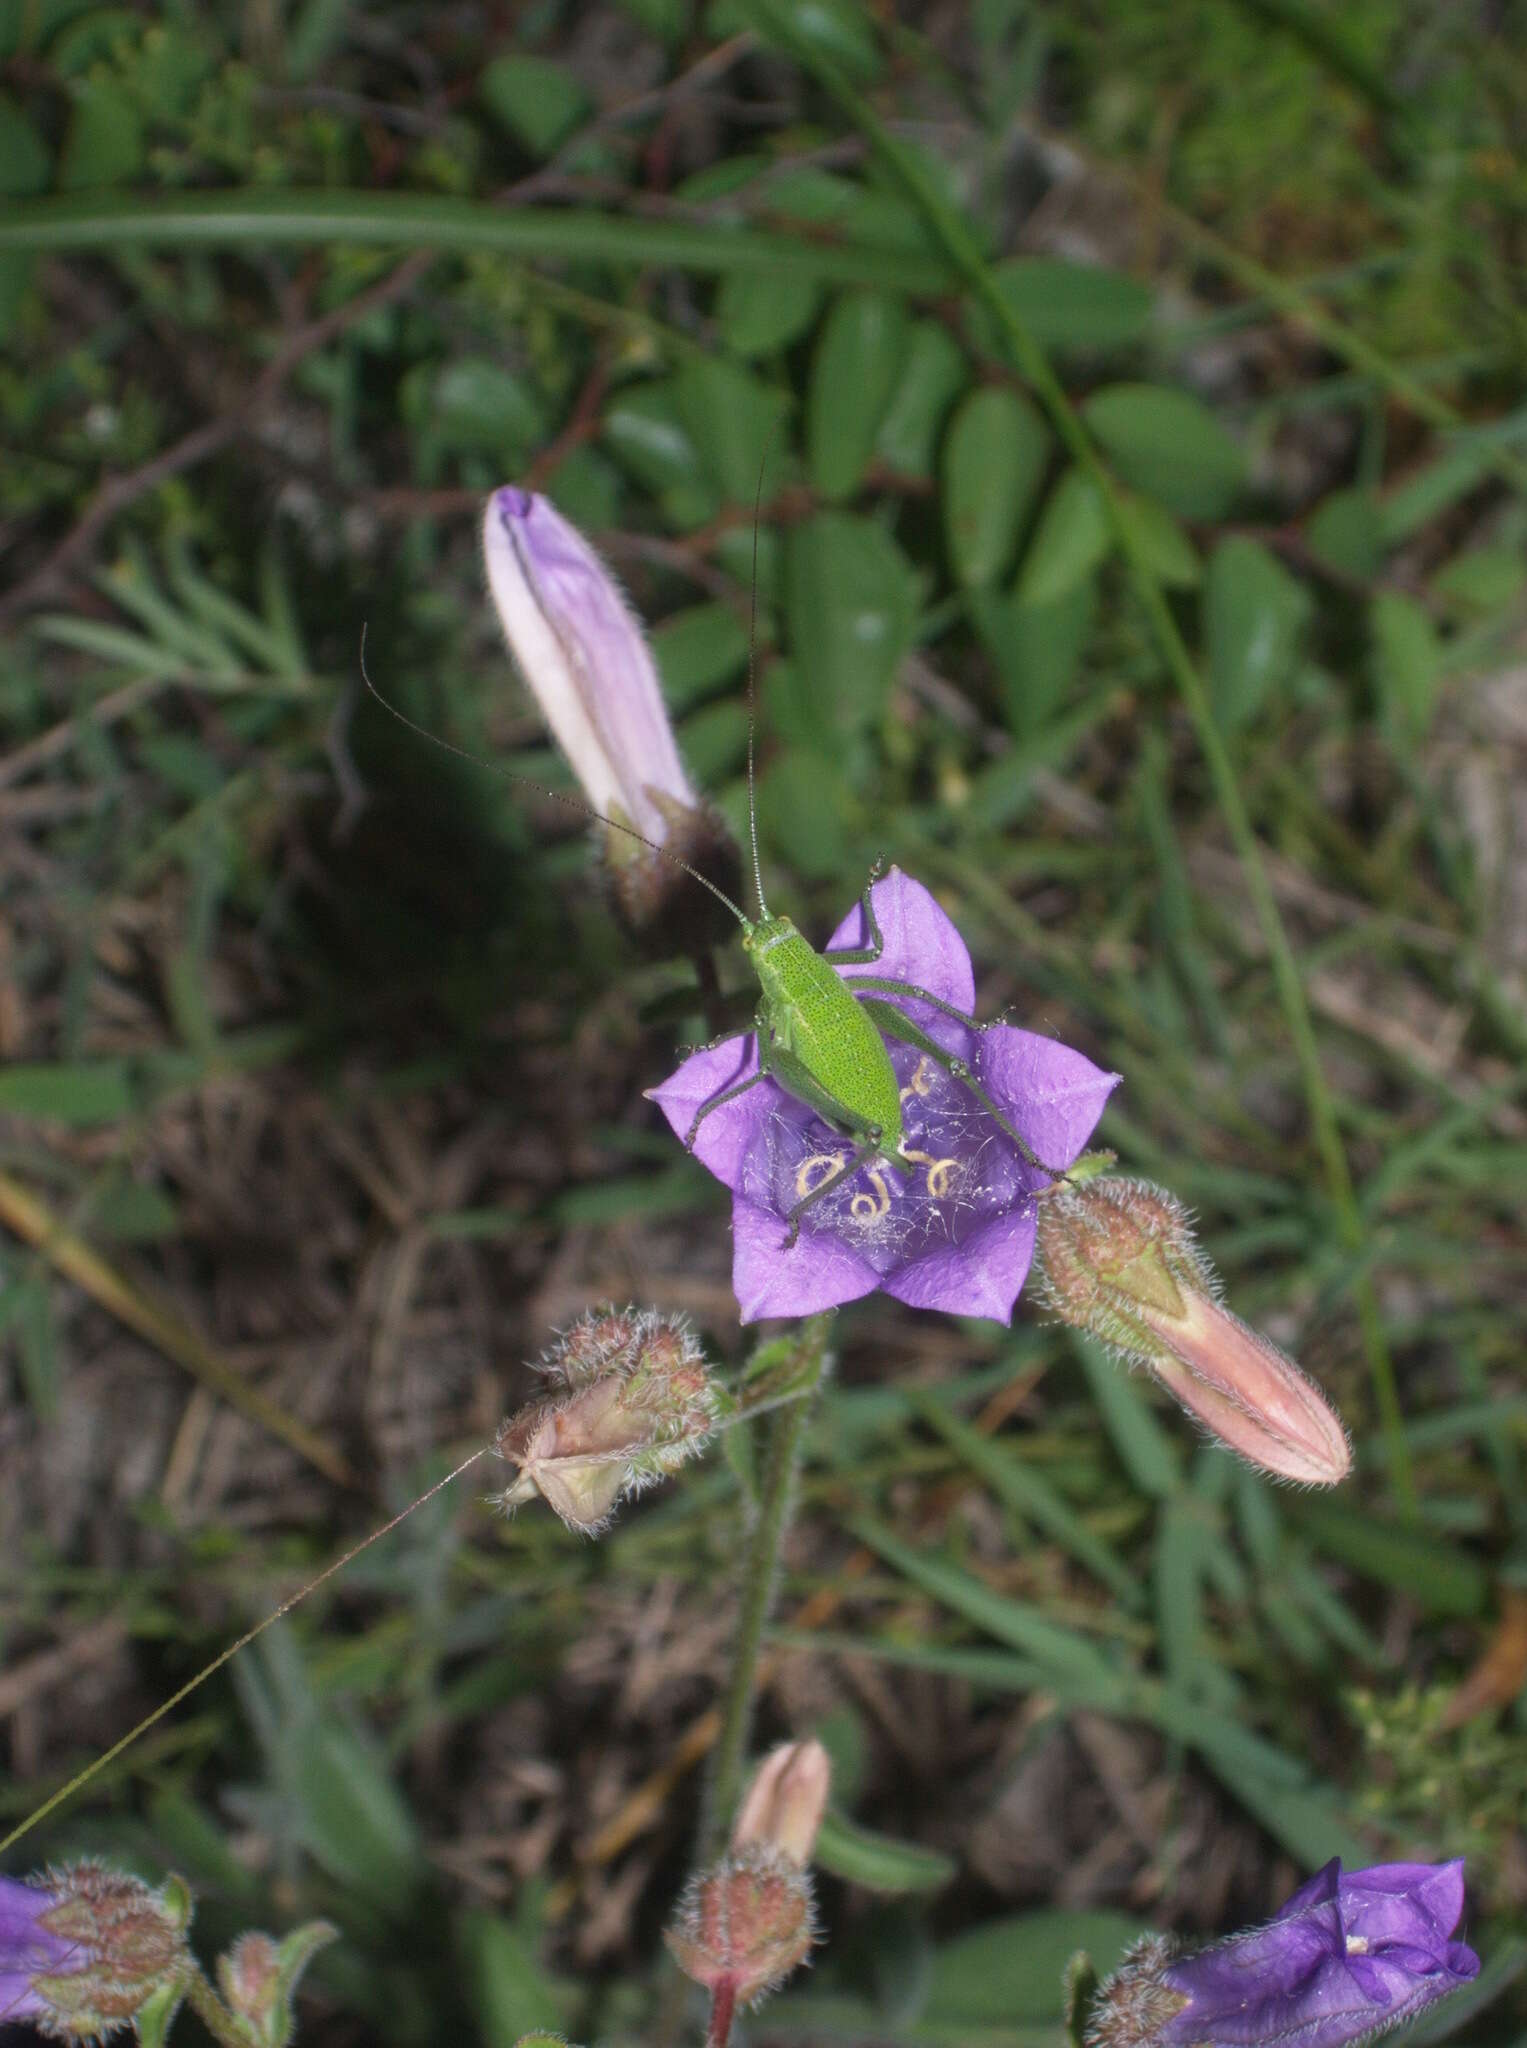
x=1254, y=612
x=994, y=464
x=854, y=372
x=1168, y=444
x=1071, y=540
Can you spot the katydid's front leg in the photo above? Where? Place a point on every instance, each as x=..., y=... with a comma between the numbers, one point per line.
x=863, y=956
x=727, y=1094
x=863, y=1152
x=894, y=1023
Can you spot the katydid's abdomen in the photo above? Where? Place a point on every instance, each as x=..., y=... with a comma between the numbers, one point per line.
x=821, y=1028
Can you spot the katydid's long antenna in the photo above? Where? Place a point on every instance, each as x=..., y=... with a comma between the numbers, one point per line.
x=82, y=1778
x=558, y=796
x=763, y=908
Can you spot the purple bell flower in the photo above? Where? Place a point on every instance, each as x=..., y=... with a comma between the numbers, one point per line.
x=1349, y=1956
x=29, y=1949
x=956, y=1231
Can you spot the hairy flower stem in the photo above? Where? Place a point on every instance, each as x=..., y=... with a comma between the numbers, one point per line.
x=723, y=2006
x=1030, y=360
x=220, y=2023
x=785, y=1439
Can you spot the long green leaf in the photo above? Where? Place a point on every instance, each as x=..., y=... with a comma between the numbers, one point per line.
x=422, y=220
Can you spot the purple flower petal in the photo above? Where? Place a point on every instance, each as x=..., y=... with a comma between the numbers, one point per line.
x=1053, y=1094
x=28, y=1949
x=921, y=944
x=817, y=1272
x=724, y=1135
x=582, y=652
x=982, y=1278
x=1346, y=1956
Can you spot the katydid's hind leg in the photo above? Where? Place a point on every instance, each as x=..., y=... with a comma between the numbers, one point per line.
x=857, y=1158
x=864, y=956
x=715, y=1101
x=875, y=984
x=895, y=1024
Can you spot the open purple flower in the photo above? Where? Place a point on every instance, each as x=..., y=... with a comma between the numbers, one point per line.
x=1350, y=1955
x=956, y=1232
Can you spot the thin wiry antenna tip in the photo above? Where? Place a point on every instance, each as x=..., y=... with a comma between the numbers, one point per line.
x=558, y=796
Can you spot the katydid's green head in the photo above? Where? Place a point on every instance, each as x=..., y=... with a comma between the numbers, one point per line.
x=765, y=933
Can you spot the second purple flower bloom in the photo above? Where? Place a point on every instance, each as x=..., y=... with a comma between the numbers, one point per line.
x=956, y=1233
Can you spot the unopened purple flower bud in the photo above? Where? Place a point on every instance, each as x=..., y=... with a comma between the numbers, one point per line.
x=743, y=1925
x=783, y=1806
x=1120, y=1262
x=84, y=1948
x=632, y=1399
x=1348, y=1957
x=582, y=651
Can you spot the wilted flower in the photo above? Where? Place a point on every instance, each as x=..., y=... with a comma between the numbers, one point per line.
x=84, y=1948
x=743, y=1925
x=582, y=651
x=783, y=1806
x=957, y=1231
x=1349, y=1956
x=1119, y=1261
x=633, y=1400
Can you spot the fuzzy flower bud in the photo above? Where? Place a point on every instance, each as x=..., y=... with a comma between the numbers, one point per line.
x=586, y=660
x=783, y=1806
x=743, y=1925
x=84, y=1948
x=1120, y=1262
x=631, y=1400
x=258, y=1978
x=1349, y=1956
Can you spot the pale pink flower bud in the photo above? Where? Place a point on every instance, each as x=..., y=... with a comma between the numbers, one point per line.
x=1120, y=1262
x=743, y=1925
x=783, y=1806
x=585, y=658
x=258, y=1977
x=632, y=1399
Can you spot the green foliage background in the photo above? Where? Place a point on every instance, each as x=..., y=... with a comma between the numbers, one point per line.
x=329, y=1042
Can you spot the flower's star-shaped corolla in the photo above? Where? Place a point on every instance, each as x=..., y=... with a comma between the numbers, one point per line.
x=1347, y=1956
x=954, y=1229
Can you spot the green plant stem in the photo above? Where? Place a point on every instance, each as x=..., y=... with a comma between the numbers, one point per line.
x=1030, y=360
x=785, y=1440
x=220, y=2023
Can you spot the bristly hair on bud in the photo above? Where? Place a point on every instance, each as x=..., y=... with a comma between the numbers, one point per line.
x=744, y=1924
x=631, y=1401
x=1118, y=1260
x=1135, y=2002
x=102, y=1945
